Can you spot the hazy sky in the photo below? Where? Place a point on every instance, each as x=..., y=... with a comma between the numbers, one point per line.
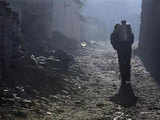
x=95, y=7
x=111, y=12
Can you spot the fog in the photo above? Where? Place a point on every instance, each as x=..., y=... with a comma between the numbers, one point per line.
x=57, y=60
x=100, y=17
x=110, y=12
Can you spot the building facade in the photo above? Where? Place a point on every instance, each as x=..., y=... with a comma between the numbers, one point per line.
x=10, y=35
x=66, y=18
x=149, y=43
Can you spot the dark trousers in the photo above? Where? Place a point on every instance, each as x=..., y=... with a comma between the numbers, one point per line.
x=124, y=58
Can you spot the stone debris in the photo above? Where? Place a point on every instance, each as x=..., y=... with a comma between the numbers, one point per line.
x=82, y=92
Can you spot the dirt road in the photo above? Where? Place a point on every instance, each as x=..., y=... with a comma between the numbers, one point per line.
x=95, y=77
x=92, y=101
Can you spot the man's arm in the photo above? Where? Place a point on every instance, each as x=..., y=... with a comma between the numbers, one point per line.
x=131, y=34
x=132, y=38
x=113, y=40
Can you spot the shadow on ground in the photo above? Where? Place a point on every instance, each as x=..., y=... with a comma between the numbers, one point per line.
x=125, y=96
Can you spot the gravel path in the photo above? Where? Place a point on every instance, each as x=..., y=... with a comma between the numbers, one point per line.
x=92, y=101
x=95, y=77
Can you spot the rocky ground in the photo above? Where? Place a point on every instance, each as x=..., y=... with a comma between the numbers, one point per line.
x=95, y=80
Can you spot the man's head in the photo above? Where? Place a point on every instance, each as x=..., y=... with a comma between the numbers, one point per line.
x=123, y=22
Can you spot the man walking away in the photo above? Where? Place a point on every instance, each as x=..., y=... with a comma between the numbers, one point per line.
x=122, y=39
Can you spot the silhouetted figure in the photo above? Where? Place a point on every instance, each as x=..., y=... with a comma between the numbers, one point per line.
x=125, y=96
x=122, y=39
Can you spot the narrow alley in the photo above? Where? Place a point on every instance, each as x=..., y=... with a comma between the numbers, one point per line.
x=92, y=102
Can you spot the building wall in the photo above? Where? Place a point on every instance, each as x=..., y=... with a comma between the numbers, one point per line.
x=40, y=18
x=150, y=25
x=10, y=35
x=149, y=45
x=36, y=21
x=66, y=18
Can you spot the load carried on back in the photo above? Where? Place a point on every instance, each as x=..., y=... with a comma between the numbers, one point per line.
x=122, y=34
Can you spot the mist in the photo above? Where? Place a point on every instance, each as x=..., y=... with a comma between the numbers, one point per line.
x=66, y=60
x=110, y=12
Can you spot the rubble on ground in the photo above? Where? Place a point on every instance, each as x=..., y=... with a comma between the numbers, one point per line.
x=83, y=92
x=37, y=79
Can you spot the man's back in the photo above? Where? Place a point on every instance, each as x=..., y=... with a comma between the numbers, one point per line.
x=124, y=33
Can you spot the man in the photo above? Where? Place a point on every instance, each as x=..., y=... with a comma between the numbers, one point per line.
x=122, y=39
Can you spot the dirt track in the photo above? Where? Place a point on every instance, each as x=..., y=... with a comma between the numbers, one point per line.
x=95, y=77
x=93, y=99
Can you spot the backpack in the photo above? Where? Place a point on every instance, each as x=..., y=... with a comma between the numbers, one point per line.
x=124, y=33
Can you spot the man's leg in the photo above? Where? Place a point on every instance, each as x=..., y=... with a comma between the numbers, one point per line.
x=128, y=64
x=121, y=60
x=124, y=56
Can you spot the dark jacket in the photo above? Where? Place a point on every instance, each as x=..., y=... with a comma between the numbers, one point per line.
x=116, y=40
